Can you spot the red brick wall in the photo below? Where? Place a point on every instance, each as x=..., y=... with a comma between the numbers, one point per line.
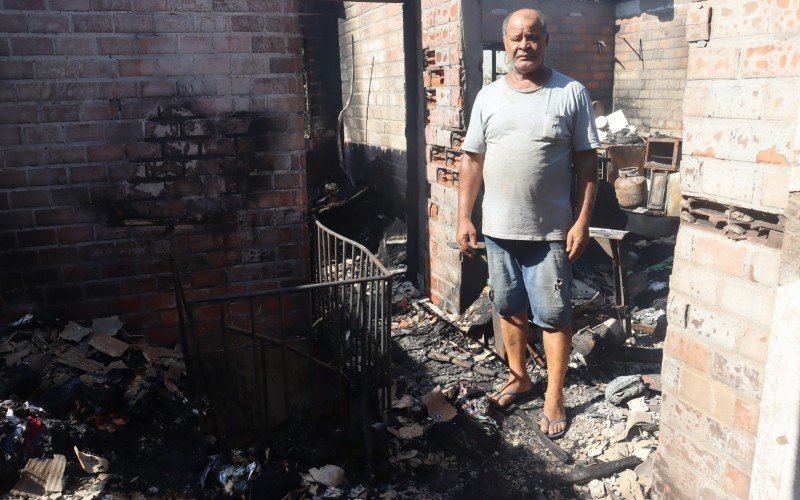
x=375, y=123
x=650, y=73
x=444, y=82
x=575, y=27
x=135, y=129
x=741, y=114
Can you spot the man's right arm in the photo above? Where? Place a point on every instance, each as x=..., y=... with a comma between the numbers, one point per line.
x=470, y=179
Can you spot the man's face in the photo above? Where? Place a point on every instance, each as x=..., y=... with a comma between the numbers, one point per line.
x=525, y=42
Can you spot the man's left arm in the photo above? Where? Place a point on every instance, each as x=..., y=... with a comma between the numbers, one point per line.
x=585, y=163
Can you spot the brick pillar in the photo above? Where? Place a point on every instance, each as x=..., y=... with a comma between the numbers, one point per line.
x=444, y=82
x=740, y=148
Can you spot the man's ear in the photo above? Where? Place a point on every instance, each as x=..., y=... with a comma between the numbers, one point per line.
x=547, y=39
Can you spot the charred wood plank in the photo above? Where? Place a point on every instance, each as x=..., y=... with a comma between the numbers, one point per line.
x=469, y=365
x=476, y=322
x=581, y=475
x=548, y=443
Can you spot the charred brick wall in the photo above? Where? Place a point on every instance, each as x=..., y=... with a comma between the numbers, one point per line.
x=728, y=397
x=575, y=29
x=136, y=129
x=375, y=123
x=651, y=54
x=319, y=26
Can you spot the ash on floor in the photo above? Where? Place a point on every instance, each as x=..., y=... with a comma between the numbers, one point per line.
x=441, y=441
x=476, y=454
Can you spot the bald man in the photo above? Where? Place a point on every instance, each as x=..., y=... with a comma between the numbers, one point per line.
x=527, y=132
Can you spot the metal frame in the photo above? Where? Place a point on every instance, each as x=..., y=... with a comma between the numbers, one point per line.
x=355, y=294
x=495, y=47
x=611, y=241
x=350, y=321
x=657, y=196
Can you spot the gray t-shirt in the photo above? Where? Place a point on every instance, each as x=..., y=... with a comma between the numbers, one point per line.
x=528, y=138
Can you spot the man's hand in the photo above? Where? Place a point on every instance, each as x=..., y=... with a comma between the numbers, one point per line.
x=470, y=178
x=467, y=238
x=585, y=163
x=577, y=240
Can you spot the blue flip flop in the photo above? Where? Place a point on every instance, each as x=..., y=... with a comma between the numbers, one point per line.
x=555, y=435
x=519, y=397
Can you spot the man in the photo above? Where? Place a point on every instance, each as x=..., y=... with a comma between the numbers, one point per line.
x=526, y=132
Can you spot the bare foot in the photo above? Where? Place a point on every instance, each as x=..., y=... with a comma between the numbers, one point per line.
x=511, y=390
x=553, y=410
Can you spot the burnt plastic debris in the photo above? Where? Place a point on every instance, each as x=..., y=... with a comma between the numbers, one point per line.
x=622, y=389
x=81, y=397
x=232, y=478
x=22, y=322
x=392, y=250
x=21, y=430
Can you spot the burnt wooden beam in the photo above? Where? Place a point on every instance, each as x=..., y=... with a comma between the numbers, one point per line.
x=548, y=443
x=582, y=475
x=469, y=365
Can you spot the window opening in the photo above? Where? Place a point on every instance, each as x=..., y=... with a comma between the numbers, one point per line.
x=495, y=63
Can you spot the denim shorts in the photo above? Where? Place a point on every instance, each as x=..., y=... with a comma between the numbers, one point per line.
x=535, y=274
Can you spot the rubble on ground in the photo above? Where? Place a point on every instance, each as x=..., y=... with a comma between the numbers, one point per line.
x=485, y=453
x=116, y=413
x=95, y=410
x=91, y=411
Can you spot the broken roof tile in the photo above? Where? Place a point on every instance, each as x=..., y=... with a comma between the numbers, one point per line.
x=108, y=345
x=74, y=332
x=41, y=477
x=74, y=359
x=109, y=326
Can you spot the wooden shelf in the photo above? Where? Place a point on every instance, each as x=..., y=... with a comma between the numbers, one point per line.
x=662, y=153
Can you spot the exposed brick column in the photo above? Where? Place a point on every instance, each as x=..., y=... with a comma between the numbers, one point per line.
x=740, y=127
x=443, y=79
x=775, y=464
